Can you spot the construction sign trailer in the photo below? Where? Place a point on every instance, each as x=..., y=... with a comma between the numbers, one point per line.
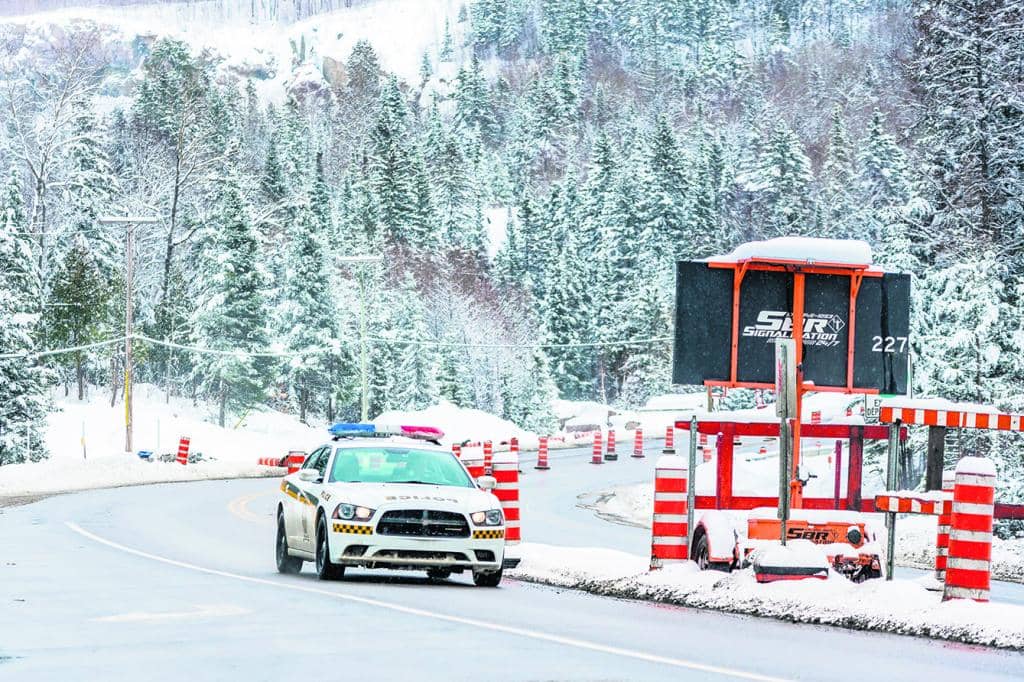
x=849, y=320
x=793, y=315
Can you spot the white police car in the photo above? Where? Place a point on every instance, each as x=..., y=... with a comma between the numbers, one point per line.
x=389, y=497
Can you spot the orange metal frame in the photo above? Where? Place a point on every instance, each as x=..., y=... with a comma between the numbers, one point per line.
x=799, y=270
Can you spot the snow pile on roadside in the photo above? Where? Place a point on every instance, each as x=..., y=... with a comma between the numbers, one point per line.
x=461, y=424
x=915, y=533
x=228, y=452
x=899, y=606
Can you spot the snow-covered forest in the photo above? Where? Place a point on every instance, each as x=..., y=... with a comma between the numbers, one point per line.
x=528, y=191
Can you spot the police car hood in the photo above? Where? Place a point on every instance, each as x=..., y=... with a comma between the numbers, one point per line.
x=387, y=496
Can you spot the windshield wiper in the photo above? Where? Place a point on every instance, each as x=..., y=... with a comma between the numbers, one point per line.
x=417, y=482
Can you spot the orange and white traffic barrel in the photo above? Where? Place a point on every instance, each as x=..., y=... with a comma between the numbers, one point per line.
x=596, y=457
x=506, y=471
x=638, y=443
x=542, y=454
x=294, y=460
x=271, y=461
x=670, y=448
x=610, y=455
x=945, y=520
x=457, y=450
x=968, y=566
x=669, y=530
x=488, y=457
x=183, y=450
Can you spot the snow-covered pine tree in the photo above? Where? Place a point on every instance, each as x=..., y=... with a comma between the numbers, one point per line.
x=883, y=187
x=529, y=392
x=23, y=381
x=308, y=317
x=968, y=71
x=646, y=369
x=415, y=384
x=838, y=171
x=233, y=314
x=392, y=165
x=785, y=180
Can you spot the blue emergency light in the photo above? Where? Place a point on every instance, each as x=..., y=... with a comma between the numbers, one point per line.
x=343, y=430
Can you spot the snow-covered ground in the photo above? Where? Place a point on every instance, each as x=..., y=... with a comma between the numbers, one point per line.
x=228, y=452
x=899, y=606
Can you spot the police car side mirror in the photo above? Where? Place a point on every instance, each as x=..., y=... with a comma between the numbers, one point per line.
x=487, y=482
x=309, y=475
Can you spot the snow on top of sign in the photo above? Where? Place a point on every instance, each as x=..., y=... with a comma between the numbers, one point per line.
x=981, y=466
x=849, y=251
x=940, y=404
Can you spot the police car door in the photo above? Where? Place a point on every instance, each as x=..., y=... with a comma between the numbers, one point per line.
x=309, y=497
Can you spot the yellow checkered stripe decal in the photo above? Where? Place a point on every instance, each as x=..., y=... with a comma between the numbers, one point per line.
x=353, y=528
x=488, y=534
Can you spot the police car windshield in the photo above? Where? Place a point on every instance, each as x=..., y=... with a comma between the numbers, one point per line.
x=398, y=465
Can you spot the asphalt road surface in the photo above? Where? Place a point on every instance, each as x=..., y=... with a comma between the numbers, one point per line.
x=177, y=582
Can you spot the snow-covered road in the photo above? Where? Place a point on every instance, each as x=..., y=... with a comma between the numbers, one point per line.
x=177, y=582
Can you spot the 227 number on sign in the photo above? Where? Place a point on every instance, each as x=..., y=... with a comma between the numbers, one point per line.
x=889, y=344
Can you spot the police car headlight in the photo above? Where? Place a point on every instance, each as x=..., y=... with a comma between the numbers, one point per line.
x=491, y=517
x=349, y=512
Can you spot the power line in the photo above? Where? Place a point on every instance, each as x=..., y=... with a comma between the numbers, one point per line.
x=328, y=349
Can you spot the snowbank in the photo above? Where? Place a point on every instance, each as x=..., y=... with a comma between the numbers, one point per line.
x=461, y=424
x=86, y=444
x=899, y=606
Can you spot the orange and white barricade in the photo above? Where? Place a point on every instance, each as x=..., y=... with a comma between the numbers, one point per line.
x=669, y=530
x=968, y=567
x=542, y=454
x=596, y=457
x=183, y=445
x=506, y=471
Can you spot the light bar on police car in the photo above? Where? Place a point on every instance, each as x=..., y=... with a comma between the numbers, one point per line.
x=346, y=430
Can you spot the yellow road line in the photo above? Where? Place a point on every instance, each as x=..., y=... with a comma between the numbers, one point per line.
x=239, y=507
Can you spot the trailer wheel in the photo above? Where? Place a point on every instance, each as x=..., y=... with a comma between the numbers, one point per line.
x=701, y=554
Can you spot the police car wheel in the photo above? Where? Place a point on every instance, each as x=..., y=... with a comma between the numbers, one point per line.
x=325, y=570
x=490, y=579
x=438, y=573
x=285, y=563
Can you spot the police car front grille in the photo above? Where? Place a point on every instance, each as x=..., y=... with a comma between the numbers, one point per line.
x=423, y=523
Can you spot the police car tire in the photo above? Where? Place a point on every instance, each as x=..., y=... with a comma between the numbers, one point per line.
x=285, y=562
x=325, y=570
x=492, y=579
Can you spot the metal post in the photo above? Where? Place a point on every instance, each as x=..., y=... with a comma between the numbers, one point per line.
x=691, y=484
x=364, y=410
x=785, y=441
x=131, y=222
x=365, y=399
x=890, y=484
x=129, y=273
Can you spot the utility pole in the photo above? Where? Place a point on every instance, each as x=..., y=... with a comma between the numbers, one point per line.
x=364, y=380
x=129, y=285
